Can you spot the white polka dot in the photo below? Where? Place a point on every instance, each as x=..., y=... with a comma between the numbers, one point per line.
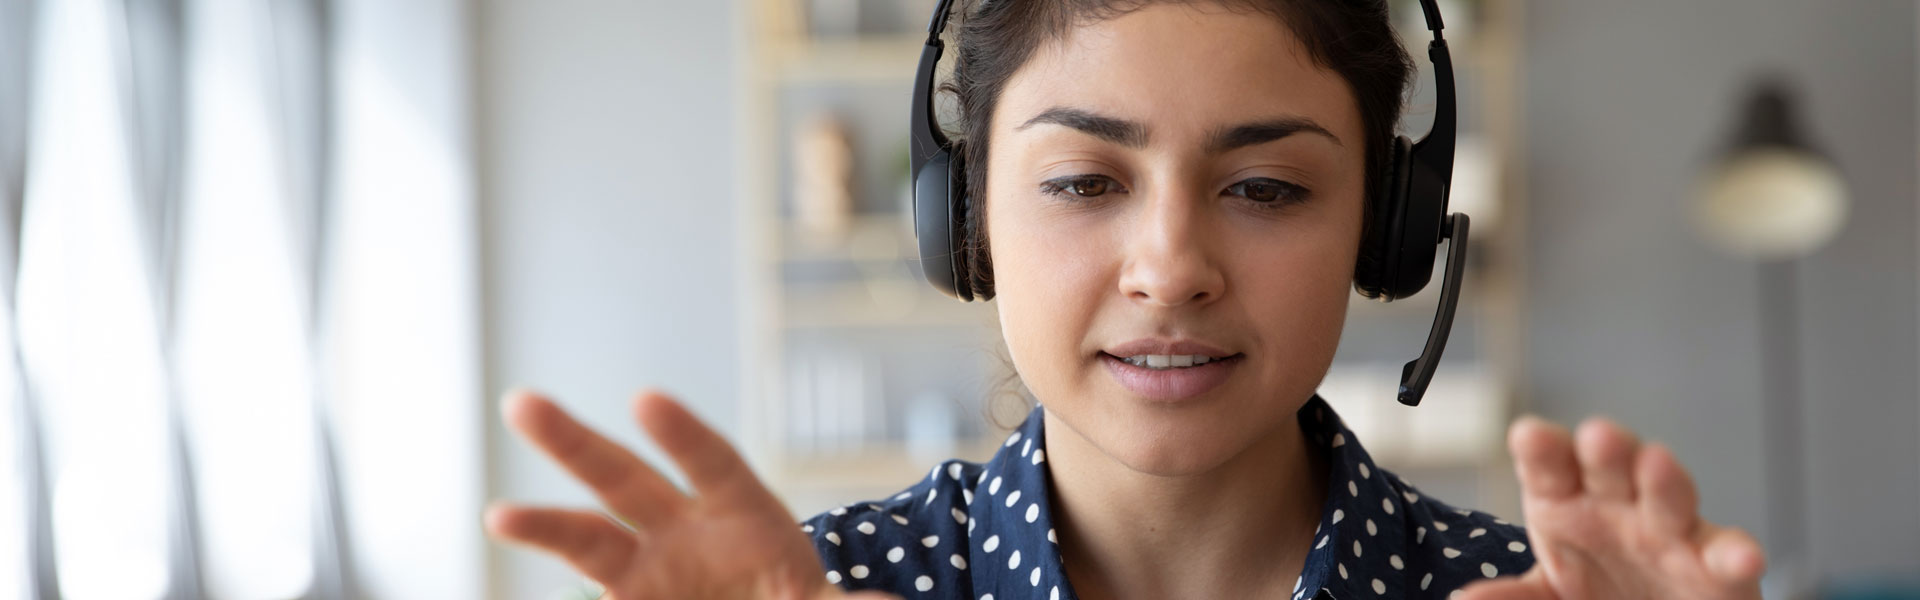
x=1463, y=512
x=1371, y=530
x=1450, y=553
x=873, y=507
x=992, y=543
x=1386, y=504
x=1398, y=565
x=959, y=562
x=959, y=516
x=896, y=554
x=1055, y=594
x=903, y=495
x=1033, y=512
x=833, y=537
x=994, y=487
x=833, y=577
x=1323, y=542
x=931, y=494
x=1425, y=581
x=1012, y=498
x=1033, y=578
x=1365, y=472
x=986, y=597
x=1050, y=536
x=923, y=583
x=929, y=541
x=968, y=494
x=1488, y=570
x=1012, y=439
x=865, y=527
x=899, y=519
x=1027, y=447
x=1500, y=522
x=1477, y=532
x=1420, y=535
x=969, y=526
x=1353, y=490
x=806, y=528
x=1338, y=515
x=1339, y=439
x=858, y=571
x=1516, y=546
x=838, y=510
x=1410, y=496
x=1440, y=525
x=1039, y=456
x=953, y=470
x=1379, y=588
x=1356, y=547
x=1013, y=560
x=1343, y=570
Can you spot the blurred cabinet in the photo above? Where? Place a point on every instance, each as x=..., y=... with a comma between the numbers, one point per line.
x=863, y=377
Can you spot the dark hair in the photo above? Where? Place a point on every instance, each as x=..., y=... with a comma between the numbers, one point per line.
x=995, y=38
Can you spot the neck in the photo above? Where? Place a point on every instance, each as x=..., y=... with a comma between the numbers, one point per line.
x=1241, y=529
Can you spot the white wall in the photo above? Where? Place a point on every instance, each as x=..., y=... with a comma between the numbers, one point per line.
x=607, y=131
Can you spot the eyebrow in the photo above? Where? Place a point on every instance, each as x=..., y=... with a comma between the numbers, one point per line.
x=1119, y=131
x=1251, y=134
x=1132, y=134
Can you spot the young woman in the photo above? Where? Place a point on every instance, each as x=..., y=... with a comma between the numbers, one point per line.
x=1164, y=185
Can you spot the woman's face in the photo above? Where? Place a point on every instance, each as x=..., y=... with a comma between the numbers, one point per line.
x=1177, y=174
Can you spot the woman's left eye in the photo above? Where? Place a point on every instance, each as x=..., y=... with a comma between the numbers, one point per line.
x=1268, y=191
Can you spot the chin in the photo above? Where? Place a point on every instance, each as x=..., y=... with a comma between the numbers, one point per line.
x=1175, y=443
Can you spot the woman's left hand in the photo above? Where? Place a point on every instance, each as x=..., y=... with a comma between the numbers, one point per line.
x=1610, y=517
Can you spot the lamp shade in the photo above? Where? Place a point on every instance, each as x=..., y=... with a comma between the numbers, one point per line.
x=1771, y=196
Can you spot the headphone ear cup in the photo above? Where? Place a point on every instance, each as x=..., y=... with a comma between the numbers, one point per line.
x=1376, y=268
x=933, y=224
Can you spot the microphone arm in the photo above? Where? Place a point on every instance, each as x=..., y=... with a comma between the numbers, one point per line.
x=1419, y=372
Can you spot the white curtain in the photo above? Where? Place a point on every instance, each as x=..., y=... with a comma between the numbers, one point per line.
x=246, y=270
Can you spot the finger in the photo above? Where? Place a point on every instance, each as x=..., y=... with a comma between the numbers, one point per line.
x=1530, y=586
x=591, y=542
x=1668, y=500
x=1606, y=458
x=709, y=462
x=1543, y=458
x=1732, y=555
x=623, y=482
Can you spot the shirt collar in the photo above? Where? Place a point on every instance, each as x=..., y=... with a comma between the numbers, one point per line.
x=1009, y=510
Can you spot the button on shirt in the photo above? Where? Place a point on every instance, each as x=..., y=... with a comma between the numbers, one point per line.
x=983, y=531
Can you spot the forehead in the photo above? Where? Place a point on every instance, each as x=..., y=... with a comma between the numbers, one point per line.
x=1181, y=69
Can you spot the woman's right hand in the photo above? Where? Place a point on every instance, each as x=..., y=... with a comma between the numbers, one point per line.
x=730, y=539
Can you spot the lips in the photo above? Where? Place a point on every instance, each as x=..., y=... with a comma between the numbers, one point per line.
x=1176, y=383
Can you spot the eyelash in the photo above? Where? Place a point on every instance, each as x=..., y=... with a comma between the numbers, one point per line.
x=1290, y=193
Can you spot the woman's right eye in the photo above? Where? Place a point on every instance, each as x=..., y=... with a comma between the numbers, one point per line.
x=1080, y=186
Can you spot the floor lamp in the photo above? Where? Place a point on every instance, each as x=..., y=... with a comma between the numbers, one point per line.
x=1772, y=198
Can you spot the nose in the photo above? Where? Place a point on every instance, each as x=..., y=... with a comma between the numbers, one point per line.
x=1166, y=252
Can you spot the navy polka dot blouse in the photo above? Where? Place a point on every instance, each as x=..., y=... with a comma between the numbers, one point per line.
x=983, y=531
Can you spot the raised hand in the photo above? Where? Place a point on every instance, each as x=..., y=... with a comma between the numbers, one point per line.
x=1611, y=518
x=731, y=539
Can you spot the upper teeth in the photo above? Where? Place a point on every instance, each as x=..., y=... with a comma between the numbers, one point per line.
x=1168, y=361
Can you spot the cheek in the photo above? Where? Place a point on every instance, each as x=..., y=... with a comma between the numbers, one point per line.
x=1046, y=287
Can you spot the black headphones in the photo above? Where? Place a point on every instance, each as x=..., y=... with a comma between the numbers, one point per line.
x=1408, y=205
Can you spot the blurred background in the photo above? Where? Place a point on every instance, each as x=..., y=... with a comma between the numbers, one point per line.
x=266, y=264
